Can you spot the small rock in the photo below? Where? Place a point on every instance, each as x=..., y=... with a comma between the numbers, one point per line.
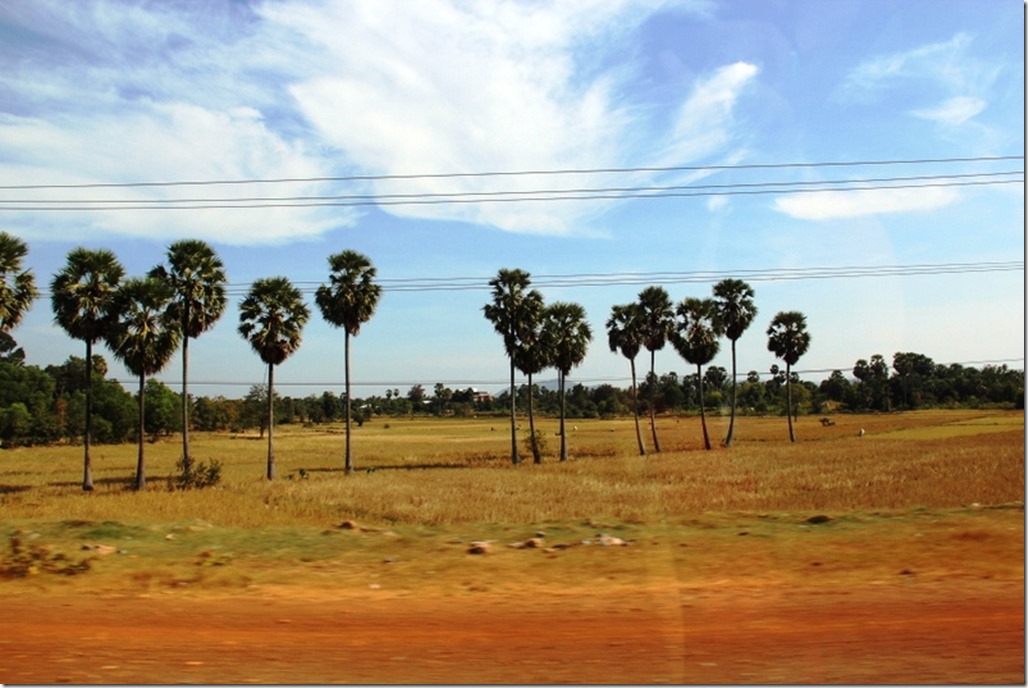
x=610, y=541
x=480, y=547
x=820, y=518
x=349, y=525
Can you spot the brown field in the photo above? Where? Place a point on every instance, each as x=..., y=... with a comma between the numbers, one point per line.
x=896, y=557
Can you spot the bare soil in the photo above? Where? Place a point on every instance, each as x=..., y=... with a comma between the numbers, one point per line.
x=957, y=629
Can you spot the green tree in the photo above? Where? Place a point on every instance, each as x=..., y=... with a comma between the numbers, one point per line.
x=735, y=311
x=874, y=382
x=624, y=333
x=507, y=313
x=788, y=339
x=658, y=317
x=349, y=301
x=82, y=296
x=695, y=338
x=17, y=286
x=143, y=336
x=532, y=355
x=197, y=276
x=567, y=335
x=271, y=318
x=161, y=402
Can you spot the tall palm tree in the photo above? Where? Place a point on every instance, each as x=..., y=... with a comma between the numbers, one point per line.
x=734, y=310
x=507, y=314
x=788, y=339
x=532, y=355
x=657, y=322
x=143, y=335
x=349, y=301
x=624, y=334
x=82, y=296
x=17, y=286
x=197, y=276
x=568, y=336
x=695, y=337
x=271, y=318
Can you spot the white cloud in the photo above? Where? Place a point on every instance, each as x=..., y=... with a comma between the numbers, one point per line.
x=952, y=112
x=309, y=89
x=834, y=205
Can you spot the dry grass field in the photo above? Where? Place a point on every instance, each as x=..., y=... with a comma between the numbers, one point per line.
x=893, y=556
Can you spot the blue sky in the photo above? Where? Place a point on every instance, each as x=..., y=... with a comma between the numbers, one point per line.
x=124, y=92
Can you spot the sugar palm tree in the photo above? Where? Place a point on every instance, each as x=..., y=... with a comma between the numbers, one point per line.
x=143, y=335
x=82, y=296
x=624, y=334
x=568, y=334
x=695, y=338
x=734, y=310
x=17, y=286
x=532, y=355
x=788, y=339
x=197, y=276
x=507, y=314
x=271, y=318
x=658, y=314
x=349, y=301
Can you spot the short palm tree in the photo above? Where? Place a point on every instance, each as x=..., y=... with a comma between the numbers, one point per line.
x=348, y=301
x=734, y=310
x=271, y=318
x=507, y=314
x=197, y=276
x=82, y=297
x=568, y=335
x=532, y=356
x=624, y=334
x=17, y=286
x=788, y=339
x=143, y=335
x=695, y=338
x=658, y=315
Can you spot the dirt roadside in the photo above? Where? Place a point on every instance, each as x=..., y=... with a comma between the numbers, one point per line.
x=957, y=630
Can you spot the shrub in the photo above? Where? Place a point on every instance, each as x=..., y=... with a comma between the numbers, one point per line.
x=199, y=476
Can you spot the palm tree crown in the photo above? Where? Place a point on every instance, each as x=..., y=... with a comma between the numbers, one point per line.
x=142, y=334
x=625, y=330
x=350, y=299
x=696, y=333
x=568, y=333
x=657, y=320
x=788, y=338
x=734, y=307
x=271, y=318
x=197, y=276
x=83, y=292
x=17, y=287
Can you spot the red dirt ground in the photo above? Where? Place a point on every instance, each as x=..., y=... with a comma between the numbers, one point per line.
x=956, y=630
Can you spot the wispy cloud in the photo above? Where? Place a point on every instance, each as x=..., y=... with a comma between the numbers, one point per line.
x=110, y=92
x=952, y=84
x=835, y=205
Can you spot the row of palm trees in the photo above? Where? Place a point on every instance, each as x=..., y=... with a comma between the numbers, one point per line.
x=536, y=338
x=143, y=320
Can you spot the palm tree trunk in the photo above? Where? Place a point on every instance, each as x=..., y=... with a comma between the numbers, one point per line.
x=513, y=428
x=731, y=422
x=87, y=477
x=653, y=389
x=788, y=401
x=348, y=462
x=703, y=411
x=140, y=466
x=187, y=462
x=635, y=407
x=536, y=458
x=271, y=421
x=563, y=436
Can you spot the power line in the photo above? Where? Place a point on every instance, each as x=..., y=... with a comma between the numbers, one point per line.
x=518, y=173
x=472, y=196
x=499, y=197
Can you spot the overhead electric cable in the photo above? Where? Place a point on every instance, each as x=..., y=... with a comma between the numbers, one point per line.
x=517, y=173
